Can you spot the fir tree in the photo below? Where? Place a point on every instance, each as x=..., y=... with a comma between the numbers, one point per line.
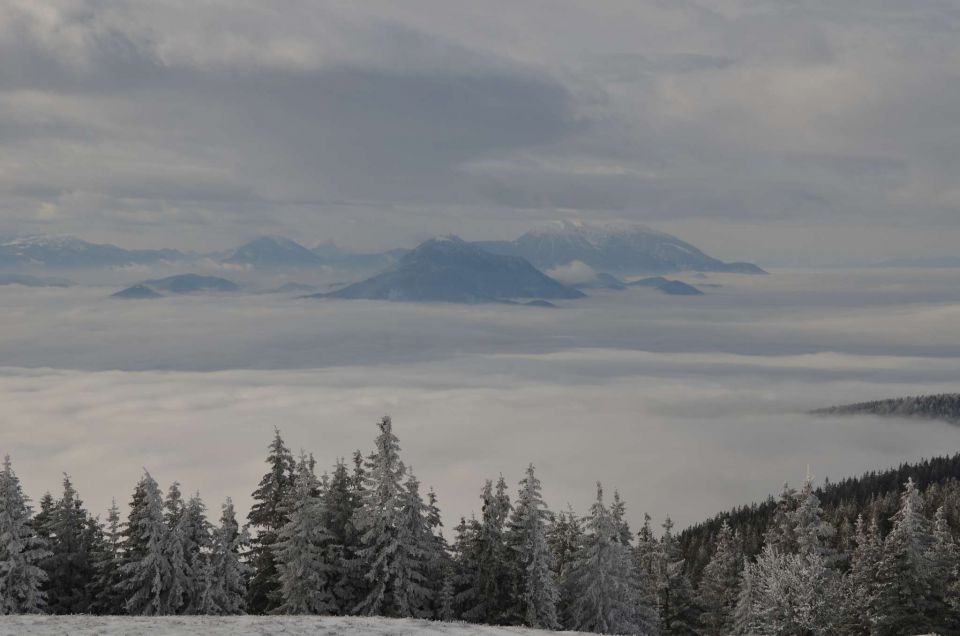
x=305, y=584
x=378, y=520
x=267, y=517
x=603, y=576
x=492, y=586
x=21, y=550
x=905, y=603
x=788, y=599
x=417, y=556
x=341, y=501
x=69, y=568
x=465, y=567
x=678, y=613
x=859, y=585
x=780, y=531
x=648, y=558
x=536, y=591
x=146, y=571
x=720, y=584
x=225, y=573
x=108, y=597
x=944, y=556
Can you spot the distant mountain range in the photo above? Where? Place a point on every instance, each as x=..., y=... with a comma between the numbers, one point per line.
x=70, y=252
x=181, y=284
x=609, y=281
x=667, y=286
x=613, y=248
x=273, y=251
x=945, y=406
x=452, y=270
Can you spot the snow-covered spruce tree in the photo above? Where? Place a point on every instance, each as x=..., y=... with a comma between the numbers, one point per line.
x=107, y=557
x=341, y=500
x=178, y=590
x=417, y=556
x=780, y=531
x=266, y=517
x=605, y=598
x=904, y=602
x=719, y=585
x=225, y=573
x=564, y=537
x=793, y=590
x=194, y=531
x=618, y=510
x=300, y=551
x=440, y=573
x=536, y=591
x=492, y=591
x=377, y=521
x=787, y=598
x=811, y=532
x=465, y=567
x=859, y=585
x=648, y=558
x=678, y=613
x=744, y=619
x=945, y=559
x=21, y=550
x=70, y=566
x=146, y=572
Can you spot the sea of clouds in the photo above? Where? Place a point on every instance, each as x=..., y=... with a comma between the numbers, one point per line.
x=687, y=405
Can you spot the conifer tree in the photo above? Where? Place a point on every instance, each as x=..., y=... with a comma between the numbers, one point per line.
x=300, y=549
x=226, y=590
x=378, y=520
x=780, y=531
x=266, y=517
x=440, y=572
x=905, y=603
x=809, y=531
x=146, y=573
x=464, y=567
x=603, y=577
x=341, y=501
x=744, y=619
x=720, y=584
x=108, y=597
x=563, y=537
x=21, y=550
x=417, y=556
x=944, y=557
x=69, y=567
x=859, y=585
x=787, y=597
x=536, y=592
x=492, y=586
x=676, y=606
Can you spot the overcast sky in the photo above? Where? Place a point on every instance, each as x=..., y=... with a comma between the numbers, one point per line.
x=773, y=130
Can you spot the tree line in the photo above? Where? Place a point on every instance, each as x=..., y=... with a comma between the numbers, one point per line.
x=364, y=539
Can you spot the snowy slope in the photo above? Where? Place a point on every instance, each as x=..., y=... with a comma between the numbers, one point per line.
x=244, y=626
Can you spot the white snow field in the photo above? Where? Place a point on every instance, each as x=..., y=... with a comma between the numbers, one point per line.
x=245, y=626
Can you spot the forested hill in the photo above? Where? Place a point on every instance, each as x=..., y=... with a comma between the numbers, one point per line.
x=938, y=407
x=875, y=495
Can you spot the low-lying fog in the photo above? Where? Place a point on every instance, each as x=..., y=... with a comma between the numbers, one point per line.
x=688, y=405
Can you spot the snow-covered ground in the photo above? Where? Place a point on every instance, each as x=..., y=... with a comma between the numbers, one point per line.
x=244, y=626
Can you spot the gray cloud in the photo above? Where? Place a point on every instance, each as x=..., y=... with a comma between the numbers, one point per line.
x=319, y=119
